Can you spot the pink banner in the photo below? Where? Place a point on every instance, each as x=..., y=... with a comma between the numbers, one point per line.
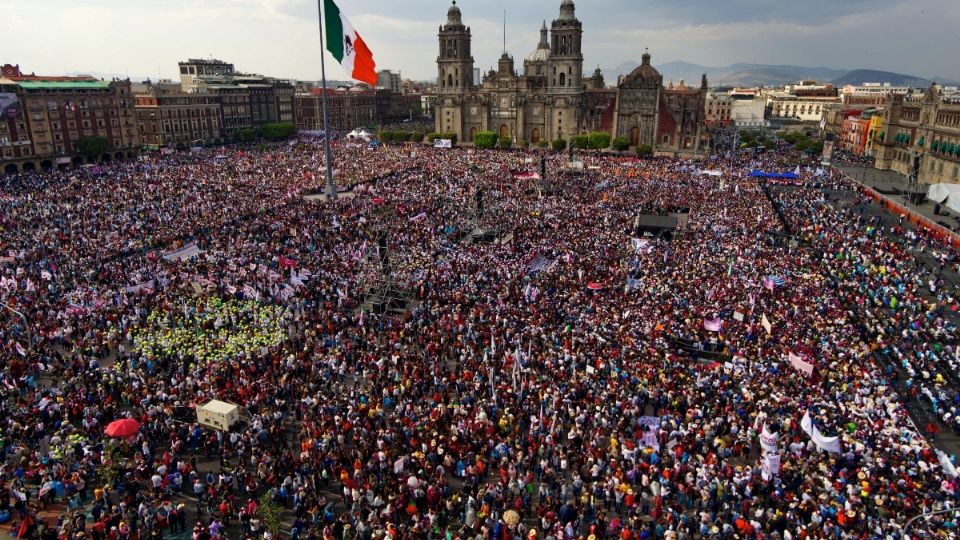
x=801, y=365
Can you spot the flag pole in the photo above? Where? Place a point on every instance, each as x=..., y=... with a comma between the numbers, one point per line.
x=331, y=189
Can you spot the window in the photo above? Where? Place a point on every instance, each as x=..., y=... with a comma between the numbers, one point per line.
x=563, y=79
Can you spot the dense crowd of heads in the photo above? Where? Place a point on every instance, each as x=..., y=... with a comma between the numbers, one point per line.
x=571, y=379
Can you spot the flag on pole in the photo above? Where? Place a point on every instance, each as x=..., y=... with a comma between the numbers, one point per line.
x=346, y=45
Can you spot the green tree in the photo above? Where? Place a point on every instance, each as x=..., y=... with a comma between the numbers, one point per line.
x=543, y=144
x=91, y=147
x=599, y=140
x=451, y=136
x=621, y=144
x=279, y=130
x=272, y=513
x=244, y=135
x=432, y=136
x=416, y=137
x=644, y=150
x=522, y=143
x=485, y=139
x=559, y=145
x=504, y=142
x=581, y=142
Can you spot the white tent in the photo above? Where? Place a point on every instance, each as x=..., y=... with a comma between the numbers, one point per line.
x=946, y=194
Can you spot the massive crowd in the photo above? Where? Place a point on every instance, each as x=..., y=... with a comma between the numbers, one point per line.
x=571, y=379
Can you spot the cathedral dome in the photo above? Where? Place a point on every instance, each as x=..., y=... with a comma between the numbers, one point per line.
x=542, y=52
x=453, y=14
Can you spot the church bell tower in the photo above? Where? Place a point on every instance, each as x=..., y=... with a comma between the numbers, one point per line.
x=455, y=63
x=565, y=68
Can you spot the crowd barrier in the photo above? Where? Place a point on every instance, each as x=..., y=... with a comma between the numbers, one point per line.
x=938, y=231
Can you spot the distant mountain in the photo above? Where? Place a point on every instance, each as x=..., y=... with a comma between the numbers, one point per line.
x=743, y=74
x=860, y=76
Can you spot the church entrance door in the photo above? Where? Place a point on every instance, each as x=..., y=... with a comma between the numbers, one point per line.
x=504, y=130
x=634, y=136
x=473, y=133
x=535, y=136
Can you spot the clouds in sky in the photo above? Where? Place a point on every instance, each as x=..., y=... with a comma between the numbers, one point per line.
x=280, y=37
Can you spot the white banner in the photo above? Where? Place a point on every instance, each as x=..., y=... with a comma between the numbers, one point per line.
x=768, y=441
x=830, y=444
x=443, y=143
x=771, y=464
x=766, y=323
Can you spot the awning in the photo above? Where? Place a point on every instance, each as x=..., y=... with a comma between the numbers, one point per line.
x=934, y=145
x=921, y=141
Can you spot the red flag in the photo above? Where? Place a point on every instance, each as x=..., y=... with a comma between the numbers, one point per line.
x=287, y=263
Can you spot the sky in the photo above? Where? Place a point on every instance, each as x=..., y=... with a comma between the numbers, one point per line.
x=280, y=37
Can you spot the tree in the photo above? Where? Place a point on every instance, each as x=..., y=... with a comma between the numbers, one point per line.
x=416, y=137
x=432, y=136
x=271, y=513
x=644, y=150
x=543, y=144
x=91, y=146
x=621, y=144
x=559, y=145
x=279, y=130
x=485, y=139
x=244, y=135
x=522, y=143
x=599, y=140
x=581, y=142
x=504, y=142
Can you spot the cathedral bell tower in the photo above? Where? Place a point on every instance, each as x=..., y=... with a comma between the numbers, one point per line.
x=565, y=68
x=455, y=63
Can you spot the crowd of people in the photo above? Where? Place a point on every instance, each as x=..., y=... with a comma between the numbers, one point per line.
x=557, y=372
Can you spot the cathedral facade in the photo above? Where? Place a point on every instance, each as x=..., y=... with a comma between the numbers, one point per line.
x=551, y=98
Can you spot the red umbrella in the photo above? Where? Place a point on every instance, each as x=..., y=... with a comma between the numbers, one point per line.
x=594, y=286
x=121, y=429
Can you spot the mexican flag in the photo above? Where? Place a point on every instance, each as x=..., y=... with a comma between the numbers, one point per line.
x=346, y=45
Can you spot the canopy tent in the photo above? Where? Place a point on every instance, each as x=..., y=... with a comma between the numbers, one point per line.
x=946, y=194
x=764, y=174
x=360, y=134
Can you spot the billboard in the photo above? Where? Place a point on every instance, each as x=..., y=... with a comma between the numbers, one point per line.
x=443, y=143
x=9, y=105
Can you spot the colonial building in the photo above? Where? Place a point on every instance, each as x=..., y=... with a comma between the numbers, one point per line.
x=168, y=117
x=921, y=133
x=43, y=117
x=551, y=98
x=346, y=109
x=249, y=101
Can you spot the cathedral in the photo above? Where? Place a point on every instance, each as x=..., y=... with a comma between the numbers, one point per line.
x=552, y=98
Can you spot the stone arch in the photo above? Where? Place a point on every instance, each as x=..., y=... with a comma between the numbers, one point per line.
x=634, y=136
x=504, y=130
x=29, y=166
x=46, y=165
x=535, y=136
x=11, y=168
x=449, y=79
x=563, y=79
x=473, y=133
x=106, y=158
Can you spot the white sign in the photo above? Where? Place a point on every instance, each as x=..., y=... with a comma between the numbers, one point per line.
x=771, y=464
x=443, y=143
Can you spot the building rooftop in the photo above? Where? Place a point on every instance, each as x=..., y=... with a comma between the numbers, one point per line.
x=63, y=85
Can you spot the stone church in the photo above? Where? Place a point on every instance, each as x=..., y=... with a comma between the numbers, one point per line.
x=553, y=99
